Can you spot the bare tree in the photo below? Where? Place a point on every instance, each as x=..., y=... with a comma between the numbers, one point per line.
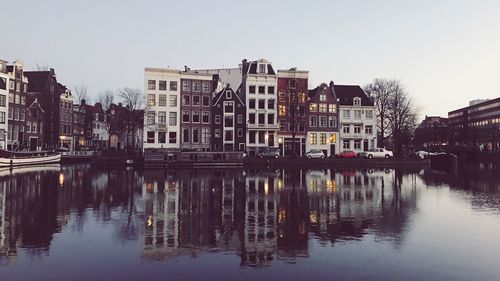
x=41, y=67
x=396, y=112
x=133, y=99
x=106, y=99
x=81, y=93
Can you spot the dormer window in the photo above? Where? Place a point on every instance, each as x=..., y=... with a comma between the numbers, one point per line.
x=357, y=101
x=262, y=68
x=229, y=94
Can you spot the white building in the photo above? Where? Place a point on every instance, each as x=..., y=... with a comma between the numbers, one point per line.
x=4, y=104
x=162, y=113
x=227, y=76
x=358, y=123
x=259, y=87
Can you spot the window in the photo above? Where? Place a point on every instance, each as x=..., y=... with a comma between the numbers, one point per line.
x=11, y=114
x=196, y=87
x=283, y=125
x=186, y=86
x=262, y=89
x=185, y=135
x=345, y=129
x=301, y=126
x=251, y=103
x=22, y=114
x=172, y=137
x=357, y=101
x=12, y=85
x=172, y=101
x=313, y=121
x=346, y=114
x=262, y=68
x=251, y=89
x=357, y=144
x=3, y=83
x=228, y=135
x=270, y=90
x=357, y=129
x=196, y=135
x=314, y=138
x=332, y=121
x=205, y=117
x=228, y=121
x=262, y=118
x=323, y=121
x=2, y=117
x=322, y=138
x=196, y=100
x=270, y=118
x=270, y=104
x=228, y=107
x=162, y=100
x=251, y=118
x=185, y=117
x=173, y=85
x=332, y=108
x=206, y=101
x=162, y=117
x=151, y=84
x=186, y=100
x=196, y=117
x=206, y=87
x=150, y=137
x=346, y=144
x=369, y=130
x=369, y=114
x=262, y=104
x=240, y=132
x=322, y=97
x=16, y=113
x=172, y=118
x=162, y=137
x=217, y=119
x=281, y=110
x=18, y=99
x=11, y=97
x=151, y=99
x=357, y=114
x=282, y=97
x=205, y=135
x=3, y=100
x=251, y=136
x=151, y=118
x=162, y=86
x=313, y=107
x=262, y=137
x=240, y=118
x=322, y=107
x=23, y=101
x=217, y=133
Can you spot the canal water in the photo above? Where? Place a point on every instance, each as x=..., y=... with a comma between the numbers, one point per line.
x=79, y=223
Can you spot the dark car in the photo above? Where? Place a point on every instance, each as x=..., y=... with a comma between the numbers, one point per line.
x=346, y=154
x=273, y=152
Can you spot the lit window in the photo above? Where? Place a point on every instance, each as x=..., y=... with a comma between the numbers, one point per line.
x=313, y=107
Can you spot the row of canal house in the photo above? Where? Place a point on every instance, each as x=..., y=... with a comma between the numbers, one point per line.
x=251, y=107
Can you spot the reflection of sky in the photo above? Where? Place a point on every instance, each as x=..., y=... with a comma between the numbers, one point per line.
x=426, y=233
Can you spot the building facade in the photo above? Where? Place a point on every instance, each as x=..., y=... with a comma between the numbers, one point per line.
x=100, y=127
x=433, y=131
x=196, y=100
x=476, y=126
x=258, y=86
x=292, y=103
x=4, y=104
x=66, y=118
x=162, y=120
x=35, y=124
x=322, y=116
x=78, y=127
x=228, y=121
x=358, y=125
x=18, y=88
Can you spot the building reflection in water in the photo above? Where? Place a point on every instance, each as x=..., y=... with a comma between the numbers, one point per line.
x=259, y=216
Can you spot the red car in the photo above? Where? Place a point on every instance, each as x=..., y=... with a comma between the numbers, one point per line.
x=346, y=154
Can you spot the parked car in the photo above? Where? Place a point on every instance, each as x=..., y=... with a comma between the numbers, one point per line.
x=346, y=154
x=376, y=153
x=315, y=153
x=273, y=152
x=422, y=154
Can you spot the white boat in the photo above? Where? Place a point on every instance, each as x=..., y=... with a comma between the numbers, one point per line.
x=15, y=159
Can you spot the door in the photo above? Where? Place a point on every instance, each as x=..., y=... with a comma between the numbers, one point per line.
x=365, y=145
x=33, y=143
x=332, y=149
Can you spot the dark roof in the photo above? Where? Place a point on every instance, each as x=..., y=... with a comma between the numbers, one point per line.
x=223, y=92
x=252, y=67
x=347, y=93
x=37, y=80
x=322, y=87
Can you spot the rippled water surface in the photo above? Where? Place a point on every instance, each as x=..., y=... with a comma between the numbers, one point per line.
x=78, y=223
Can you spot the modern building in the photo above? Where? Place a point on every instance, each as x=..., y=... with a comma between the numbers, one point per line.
x=162, y=122
x=258, y=86
x=18, y=88
x=322, y=114
x=292, y=104
x=196, y=100
x=433, y=131
x=4, y=105
x=476, y=126
x=358, y=125
x=228, y=121
x=66, y=118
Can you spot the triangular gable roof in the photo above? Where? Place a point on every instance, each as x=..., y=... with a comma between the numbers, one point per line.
x=347, y=93
x=218, y=96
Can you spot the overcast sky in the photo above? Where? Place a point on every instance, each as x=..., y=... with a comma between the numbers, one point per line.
x=445, y=52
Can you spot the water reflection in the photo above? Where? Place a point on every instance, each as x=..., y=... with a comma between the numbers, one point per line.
x=258, y=216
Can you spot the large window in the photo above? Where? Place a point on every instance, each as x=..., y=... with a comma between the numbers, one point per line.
x=196, y=135
x=357, y=114
x=206, y=101
x=369, y=130
x=151, y=84
x=313, y=138
x=228, y=121
x=185, y=117
x=346, y=144
x=313, y=121
x=151, y=118
x=173, y=85
x=151, y=99
x=270, y=90
x=251, y=118
x=151, y=137
x=322, y=97
x=322, y=121
x=205, y=135
x=3, y=100
x=2, y=117
x=346, y=129
x=162, y=100
x=196, y=87
x=357, y=144
x=228, y=135
x=185, y=135
x=270, y=104
x=369, y=114
x=162, y=137
x=162, y=117
x=262, y=89
x=251, y=136
x=206, y=87
x=357, y=101
x=186, y=86
x=172, y=118
x=172, y=100
x=332, y=121
x=346, y=114
x=322, y=107
x=162, y=85
x=205, y=117
x=196, y=100
x=251, y=89
x=251, y=103
x=282, y=110
x=228, y=107
x=270, y=118
x=313, y=107
x=186, y=100
x=196, y=117
x=322, y=138
x=172, y=137
x=332, y=108
x=262, y=104
x=262, y=118
x=357, y=129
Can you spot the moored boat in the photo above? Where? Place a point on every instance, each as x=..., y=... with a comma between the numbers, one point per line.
x=15, y=159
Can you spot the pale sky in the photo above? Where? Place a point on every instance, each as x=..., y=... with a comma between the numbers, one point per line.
x=446, y=52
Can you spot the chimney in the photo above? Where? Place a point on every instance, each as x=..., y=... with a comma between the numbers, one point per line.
x=120, y=104
x=244, y=64
x=186, y=68
x=82, y=102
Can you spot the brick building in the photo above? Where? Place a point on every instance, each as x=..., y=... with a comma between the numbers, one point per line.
x=18, y=88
